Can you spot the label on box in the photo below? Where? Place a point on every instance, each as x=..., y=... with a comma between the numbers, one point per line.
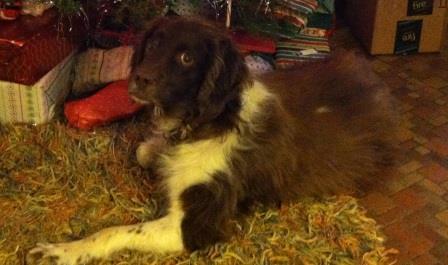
x=407, y=38
x=420, y=7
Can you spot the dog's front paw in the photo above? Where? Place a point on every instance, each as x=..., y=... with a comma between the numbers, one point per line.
x=147, y=151
x=60, y=254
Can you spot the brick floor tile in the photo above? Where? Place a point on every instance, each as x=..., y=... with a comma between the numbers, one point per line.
x=399, y=231
x=439, y=120
x=403, y=75
x=378, y=203
x=419, y=139
x=393, y=81
x=418, y=68
x=387, y=58
x=440, y=251
x=432, y=187
x=441, y=73
x=440, y=102
x=444, y=90
x=404, y=134
x=422, y=150
x=435, y=172
x=445, y=185
x=442, y=131
x=433, y=200
x=393, y=215
x=443, y=217
x=412, y=244
x=410, y=167
x=404, y=256
x=397, y=184
x=419, y=246
x=426, y=259
x=436, y=82
x=428, y=232
x=408, y=145
x=443, y=231
x=409, y=199
x=380, y=67
x=405, y=107
x=438, y=145
x=425, y=112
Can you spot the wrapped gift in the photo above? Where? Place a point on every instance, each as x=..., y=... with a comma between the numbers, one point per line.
x=109, y=104
x=250, y=43
x=311, y=45
x=257, y=64
x=31, y=46
x=96, y=67
x=36, y=62
x=37, y=103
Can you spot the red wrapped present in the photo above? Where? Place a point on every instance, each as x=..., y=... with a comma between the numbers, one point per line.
x=31, y=46
x=109, y=104
x=250, y=43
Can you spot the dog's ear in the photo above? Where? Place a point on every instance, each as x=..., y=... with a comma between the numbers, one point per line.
x=148, y=29
x=225, y=77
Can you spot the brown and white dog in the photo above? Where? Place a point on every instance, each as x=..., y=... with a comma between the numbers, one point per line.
x=224, y=139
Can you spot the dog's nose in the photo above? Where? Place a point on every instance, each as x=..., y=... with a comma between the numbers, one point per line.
x=141, y=82
x=136, y=83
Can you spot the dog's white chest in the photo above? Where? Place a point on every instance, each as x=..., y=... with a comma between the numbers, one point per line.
x=188, y=164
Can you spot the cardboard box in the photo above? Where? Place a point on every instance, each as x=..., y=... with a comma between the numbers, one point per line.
x=36, y=104
x=398, y=26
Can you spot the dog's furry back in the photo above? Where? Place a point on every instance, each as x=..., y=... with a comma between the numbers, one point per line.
x=332, y=132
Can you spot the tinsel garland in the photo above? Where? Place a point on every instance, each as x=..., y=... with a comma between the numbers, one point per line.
x=252, y=15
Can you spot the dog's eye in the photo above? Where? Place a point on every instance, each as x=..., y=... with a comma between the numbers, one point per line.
x=186, y=59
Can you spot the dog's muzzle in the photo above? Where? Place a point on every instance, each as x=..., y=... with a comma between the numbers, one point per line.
x=134, y=92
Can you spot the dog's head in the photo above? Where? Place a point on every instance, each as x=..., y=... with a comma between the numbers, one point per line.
x=188, y=69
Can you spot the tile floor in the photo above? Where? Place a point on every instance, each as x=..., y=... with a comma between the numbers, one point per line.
x=412, y=205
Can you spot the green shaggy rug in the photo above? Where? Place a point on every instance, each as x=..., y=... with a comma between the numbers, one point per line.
x=59, y=183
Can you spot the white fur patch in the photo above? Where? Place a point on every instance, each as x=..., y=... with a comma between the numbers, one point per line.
x=161, y=236
x=253, y=98
x=323, y=109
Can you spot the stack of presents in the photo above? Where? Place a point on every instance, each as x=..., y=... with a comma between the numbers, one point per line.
x=41, y=63
x=314, y=23
x=36, y=62
x=44, y=60
x=44, y=57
